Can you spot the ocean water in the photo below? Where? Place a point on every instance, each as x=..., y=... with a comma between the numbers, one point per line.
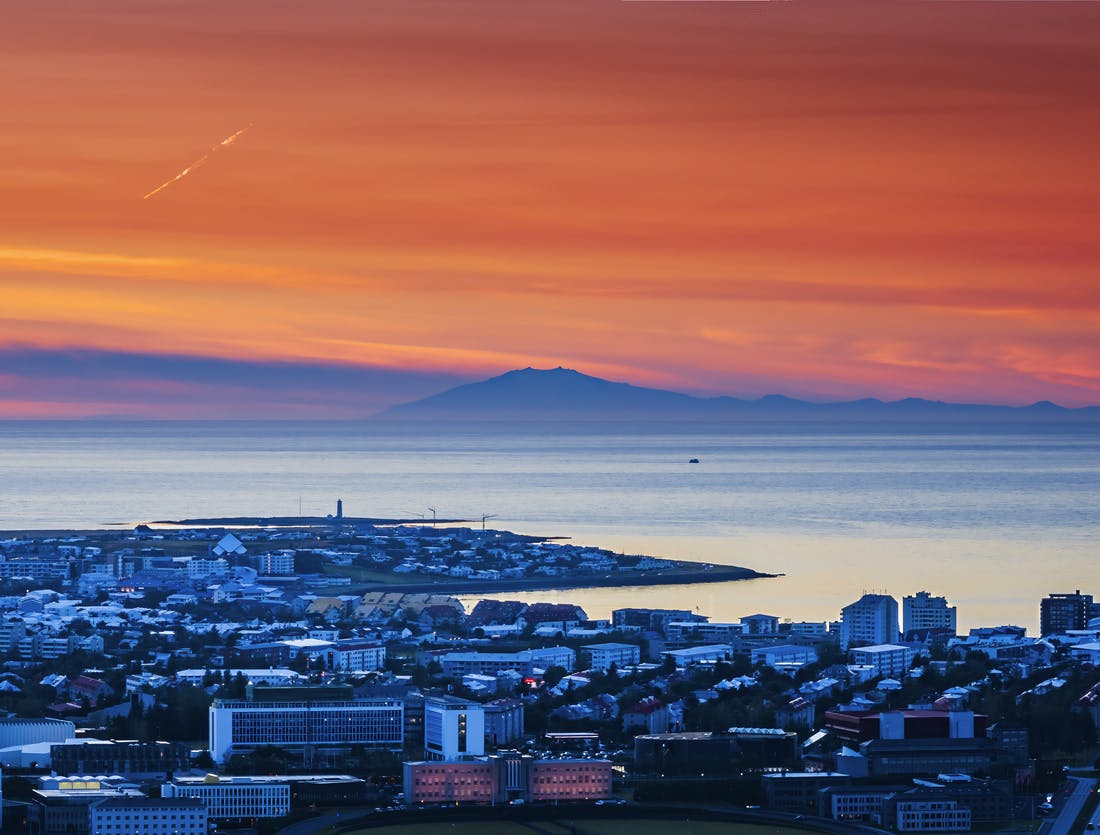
x=992, y=519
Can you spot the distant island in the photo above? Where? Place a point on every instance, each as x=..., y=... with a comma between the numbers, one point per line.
x=562, y=394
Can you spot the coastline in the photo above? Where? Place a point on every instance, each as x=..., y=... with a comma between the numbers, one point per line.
x=671, y=577
x=365, y=580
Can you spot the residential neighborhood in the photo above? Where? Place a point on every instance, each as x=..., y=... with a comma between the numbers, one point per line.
x=235, y=678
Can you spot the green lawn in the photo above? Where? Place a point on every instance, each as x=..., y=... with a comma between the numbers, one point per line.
x=362, y=574
x=582, y=827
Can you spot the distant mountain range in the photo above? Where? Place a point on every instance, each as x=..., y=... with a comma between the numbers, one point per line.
x=561, y=394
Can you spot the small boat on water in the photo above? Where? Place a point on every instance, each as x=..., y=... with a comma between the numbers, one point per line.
x=693, y=460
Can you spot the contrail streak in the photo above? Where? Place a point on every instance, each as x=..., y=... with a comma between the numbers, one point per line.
x=229, y=140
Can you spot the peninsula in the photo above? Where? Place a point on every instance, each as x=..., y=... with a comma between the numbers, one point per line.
x=273, y=559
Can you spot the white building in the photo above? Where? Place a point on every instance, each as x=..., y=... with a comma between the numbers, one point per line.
x=810, y=628
x=773, y=656
x=760, y=625
x=887, y=659
x=352, y=656
x=873, y=619
x=268, y=676
x=276, y=563
x=318, y=724
x=234, y=797
x=931, y=816
x=1087, y=652
x=147, y=816
x=31, y=731
x=602, y=656
x=923, y=611
x=453, y=728
x=700, y=655
x=712, y=632
x=229, y=544
x=526, y=661
x=199, y=568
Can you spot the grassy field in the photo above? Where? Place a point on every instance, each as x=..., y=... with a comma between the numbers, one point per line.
x=583, y=827
x=362, y=574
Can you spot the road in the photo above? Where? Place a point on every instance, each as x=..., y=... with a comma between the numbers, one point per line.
x=1079, y=788
x=313, y=825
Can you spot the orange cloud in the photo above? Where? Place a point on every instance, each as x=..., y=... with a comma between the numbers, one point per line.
x=831, y=199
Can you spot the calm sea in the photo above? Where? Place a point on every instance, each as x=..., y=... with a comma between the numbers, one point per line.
x=992, y=520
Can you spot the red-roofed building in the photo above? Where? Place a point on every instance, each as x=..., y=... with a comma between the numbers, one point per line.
x=92, y=689
x=496, y=612
x=561, y=615
x=649, y=716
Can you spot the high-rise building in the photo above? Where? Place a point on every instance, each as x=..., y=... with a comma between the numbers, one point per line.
x=923, y=611
x=873, y=619
x=1062, y=612
x=317, y=724
x=453, y=728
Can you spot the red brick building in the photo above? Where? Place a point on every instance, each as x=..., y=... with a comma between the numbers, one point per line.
x=505, y=777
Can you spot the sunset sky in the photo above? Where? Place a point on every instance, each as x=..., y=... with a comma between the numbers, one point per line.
x=822, y=199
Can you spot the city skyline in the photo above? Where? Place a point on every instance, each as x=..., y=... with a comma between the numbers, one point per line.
x=716, y=198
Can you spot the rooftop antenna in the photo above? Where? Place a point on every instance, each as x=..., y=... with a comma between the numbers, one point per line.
x=485, y=516
x=299, y=506
x=432, y=509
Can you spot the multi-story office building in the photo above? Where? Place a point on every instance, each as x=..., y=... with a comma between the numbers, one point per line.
x=62, y=803
x=354, y=656
x=854, y=803
x=503, y=722
x=148, y=816
x=569, y=780
x=506, y=777
x=760, y=625
x=655, y=619
x=602, y=656
x=873, y=619
x=129, y=758
x=318, y=724
x=275, y=562
x=199, y=568
x=856, y=727
x=525, y=662
x=779, y=656
x=707, y=654
x=469, y=781
x=888, y=659
x=686, y=633
x=925, y=815
x=267, y=796
x=923, y=611
x=808, y=629
x=234, y=798
x=1062, y=612
x=269, y=676
x=453, y=728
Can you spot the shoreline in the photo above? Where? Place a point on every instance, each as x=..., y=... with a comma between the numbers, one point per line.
x=672, y=573
x=670, y=577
